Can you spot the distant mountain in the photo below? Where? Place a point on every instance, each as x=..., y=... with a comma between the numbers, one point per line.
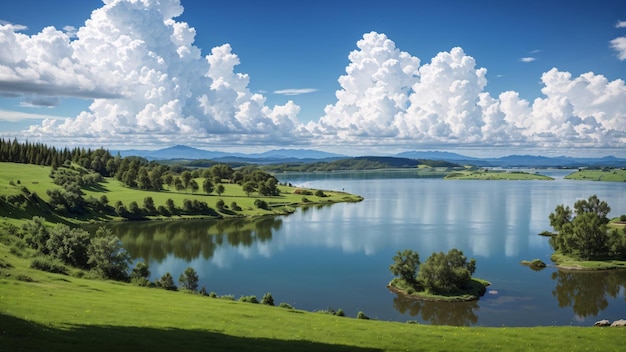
x=189, y=153
x=517, y=160
x=282, y=156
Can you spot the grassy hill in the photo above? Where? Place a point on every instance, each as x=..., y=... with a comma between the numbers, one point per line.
x=18, y=182
x=606, y=174
x=44, y=311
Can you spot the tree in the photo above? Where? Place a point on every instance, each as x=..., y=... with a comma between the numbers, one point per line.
x=69, y=245
x=148, y=204
x=446, y=273
x=186, y=177
x=194, y=186
x=140, y=274
x=405, y=265
x=219, y=189
x=107, y=257
x=586, y=235
x=207, y=186
x=189, y=279
x=36, y=233
x=267, y=299
x=167, y=282
x=249, y=187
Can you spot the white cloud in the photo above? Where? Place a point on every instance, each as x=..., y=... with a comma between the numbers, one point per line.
x=620, y=24
x=527, y=59
x=150, y=84
x=14, y=26
x=444, y=103
x=16, y=116
x=70, y=31
x=295, y=91
x=148, y=81
x=619, y=45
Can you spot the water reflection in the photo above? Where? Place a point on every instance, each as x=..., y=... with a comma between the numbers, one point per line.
x=438, y=313
x=154, y=241
x=587, y=292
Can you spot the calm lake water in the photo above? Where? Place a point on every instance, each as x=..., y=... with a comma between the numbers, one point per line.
x=338, y=256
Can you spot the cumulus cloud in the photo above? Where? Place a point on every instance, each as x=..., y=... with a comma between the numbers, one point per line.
x=620, y=24
x=527, y=59
x=387, y=97
x=298, y=91
x=148, y=81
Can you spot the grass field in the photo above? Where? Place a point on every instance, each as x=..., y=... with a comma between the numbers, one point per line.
x=43, y=311
x=495, y=175
x=612, y=175
x=13, y=177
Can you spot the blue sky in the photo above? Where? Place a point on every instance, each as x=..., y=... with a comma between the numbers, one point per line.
x=294, y=53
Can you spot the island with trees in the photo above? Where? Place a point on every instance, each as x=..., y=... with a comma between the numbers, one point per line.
x=585, y=238
x=442, y=277
x=495, y=174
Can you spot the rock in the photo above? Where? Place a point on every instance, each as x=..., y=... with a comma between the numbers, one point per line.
x=602, y=323
x=621, y=322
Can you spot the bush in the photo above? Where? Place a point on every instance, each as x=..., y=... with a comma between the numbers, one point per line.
x=228, y=297
x=261, y=204
x=268, y=299
x=189, y=279
x=248, y=299
x=340, y=313
x=361, y=315
x=285, y=305
x=50, y=265
x=213, y=294
x=622, y=217
x=167, y=282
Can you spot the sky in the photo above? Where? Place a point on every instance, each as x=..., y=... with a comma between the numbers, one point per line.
x=356, y=77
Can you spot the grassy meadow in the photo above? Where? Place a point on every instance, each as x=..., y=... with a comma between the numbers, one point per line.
x=14, y=176
x=44, y=311
x=54, y=312
x=610, y=175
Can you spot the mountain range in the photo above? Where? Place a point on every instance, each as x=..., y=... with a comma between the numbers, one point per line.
x=278, y=156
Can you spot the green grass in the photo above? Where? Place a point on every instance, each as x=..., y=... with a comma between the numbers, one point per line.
x=43, y=311
x=495, y=175
x=476, y=289
x=611, y=175
x=565, y=262
x=36, y=179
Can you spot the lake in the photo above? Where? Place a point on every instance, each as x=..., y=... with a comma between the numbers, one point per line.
x=338, y=256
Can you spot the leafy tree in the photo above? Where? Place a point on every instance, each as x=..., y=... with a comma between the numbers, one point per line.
x=267, y=299
x=36, y=234
x=207, y=186
x=219, y=189
x=107, y=257
x=194, y=186
x=69, y=245
x=169, y=203
x=446, y=273
x=167, y=282
x=220, y=204
x=586, y=235
x=405, y=265
x=140, y=274
x=148, y=204
x=189, y=279
x=186, y=177
x=249, y=187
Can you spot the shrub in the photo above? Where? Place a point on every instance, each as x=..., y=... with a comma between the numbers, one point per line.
x=203, y=291
x=622, y=217
x=189, y=279
x=235, y=207
x=268, y=299
x=213, y=294
x=261, y=204
x=285, y=305
x=319, y=193
x=361, y=315
x=340, y=313
x=167, y=282
x=25, y=278
x=248, y=299
x=50, y=265
x=228, y=297
x=220, y=204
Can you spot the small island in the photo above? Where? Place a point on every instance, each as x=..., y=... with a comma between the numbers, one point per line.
x=585, y=238
x=442, y=277
x=487, y=174
x=605, y=174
